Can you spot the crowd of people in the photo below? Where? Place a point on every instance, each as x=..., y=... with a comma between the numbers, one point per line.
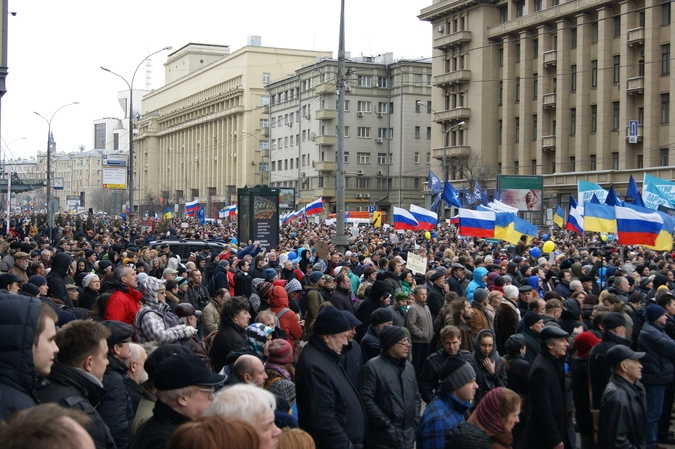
x=111, y=341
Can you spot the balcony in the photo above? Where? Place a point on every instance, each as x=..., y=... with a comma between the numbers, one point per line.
x=324, y=192
x=460, y=37
x=548, y=143
x=324, y=166
x=325, y=140
x=454, y=77
x=550, y=58
x=452, y=114
x=326, y=114
x=548, y=101
x=636, y=36
x=453, y=151
x=325, y=88
x=635, y=85
x=639, y=132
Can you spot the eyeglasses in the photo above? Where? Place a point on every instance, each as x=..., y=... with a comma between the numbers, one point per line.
x=210, y=392
x=403, y=343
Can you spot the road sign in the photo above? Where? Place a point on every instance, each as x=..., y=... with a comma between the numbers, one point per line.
x=632, y=131
x=119, y=160
x=58, y=183
x=371, y=209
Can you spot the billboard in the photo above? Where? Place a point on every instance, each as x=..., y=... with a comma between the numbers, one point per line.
x=521, y=192
x=114, y=178
x=287, y=198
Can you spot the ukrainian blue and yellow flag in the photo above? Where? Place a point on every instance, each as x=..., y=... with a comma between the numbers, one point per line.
x=559, y=217
x=167, y=213
x=599, y=218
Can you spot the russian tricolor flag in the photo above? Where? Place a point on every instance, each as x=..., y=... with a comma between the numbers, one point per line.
x=575, y=220
x=404, y=220
x=232, y=209
x=637, y=228
x=315, y=207
x=476, y=223
x=191, y=208
x=427, y=219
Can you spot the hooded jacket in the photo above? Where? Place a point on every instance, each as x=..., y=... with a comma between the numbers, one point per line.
x=477, y=282
x=484, y=379
x=18, y=379
x=533, y=281
x=156, y=322
x=288, y=321
x=56, y=278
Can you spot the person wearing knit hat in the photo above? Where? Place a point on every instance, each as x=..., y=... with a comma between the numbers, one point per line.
x=388, y=389
x=533, y=324
x=507, y=317
x=583, y=343
x=467, y=435
x=446, y=410
x=657, y=367
x=378, y=297
x=370, y=344
x=279, y=379
x=280, y=352
x=258, y=338
x=335, y=417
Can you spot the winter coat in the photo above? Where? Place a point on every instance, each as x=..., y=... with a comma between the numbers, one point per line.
x=156, y=322
x=221, y=278
x=388, y=388
x=597, y=367
x=75, y=389
x=582, y=406
x=430, y=376
x=435, y=299
x=547, y=421
x=455, y=286
x=657, y=365
x=116, y=406
x=484, y=379
x=368, y=306
x=479, y=319
x=329, y=407
x=156, y=432
x=288, y=322
x=370, y=344
x=532, y=344
x=230, y=337
x=242, y=284
x=623, y=422
x=477, y=282
x=419, y=322
x=342, y=300
x=197, y=295
x=393, y=283
x=123, y=305
x=56, y=278
x=211, y=317
x=506, y=322
x=18, y=379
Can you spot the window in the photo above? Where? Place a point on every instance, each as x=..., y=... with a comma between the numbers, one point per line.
x=517, y=129
x=99, y=136
x=346, y=131
x=535, y=48
x=428, y=107
x=363, y=81
x=616, y=69
x=417, y=79
x=617, y=26
x=520, y=8
x=595, y=32
x=573, y=78
x=594, y=118
x=384, y=159
x=382, y=107
x=363, y=158
x=573, y=163
x=428, y=132
x=573, y=38
x=665, y=108
x=417, y=106
x=665, y=13
x=416, y=159
x=664, y=157
x=573, y=121
x=534, y=166
x=363, y=106
x=517, y=89
x=615, y=115
x=594, y=73
x=501, y=92
x=665, y=59
x=640, y=161
x=362, y=182
x=385, y=133
x=503, y=14
x=500, y=126
x=535, y=85
x=537, y=5
x=500, y=56
x=363, y=132
x=264, y=100
x=346, y=153
x=346, y=105
x=517, y=52
x=383, y=81
x=516, y=167
x=417, y=132
x=266, y=77
x=615, y=161
x=534, y=127
x=594, y=162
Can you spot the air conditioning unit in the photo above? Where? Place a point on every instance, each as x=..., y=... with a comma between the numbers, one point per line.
x=302, y=175
x=379, y=114
x=375, y=84
x=359, y=114
x=358, y=195
x=348, y=88
x=308, y=116
x=440, y=29
x=366, y=195
x=378, y=140
x=360, y=172
x=380, y=173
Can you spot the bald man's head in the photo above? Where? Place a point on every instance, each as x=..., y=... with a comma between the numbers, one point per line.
x=250, y=370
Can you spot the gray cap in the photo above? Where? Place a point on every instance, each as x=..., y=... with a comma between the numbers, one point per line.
x=619, y=353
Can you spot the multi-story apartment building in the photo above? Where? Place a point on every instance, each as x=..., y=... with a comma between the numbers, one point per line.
x=549, y=87
x=110, y=134
x=200, y=135
x=386, y=132
x=80, y=172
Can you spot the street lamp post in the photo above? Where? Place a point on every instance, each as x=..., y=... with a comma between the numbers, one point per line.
x=50, y=216
x=130, y=175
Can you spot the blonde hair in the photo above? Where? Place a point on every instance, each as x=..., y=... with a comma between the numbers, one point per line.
x=295, y=439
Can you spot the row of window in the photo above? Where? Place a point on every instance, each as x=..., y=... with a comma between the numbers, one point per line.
x=362, y=158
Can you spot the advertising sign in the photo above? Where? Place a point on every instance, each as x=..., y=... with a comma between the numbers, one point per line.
x=114, y=178
x=521, y=192
x=119, y=160
x=266, y=220
x=287, y=198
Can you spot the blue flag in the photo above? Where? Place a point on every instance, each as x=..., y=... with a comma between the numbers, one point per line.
x=612, y=198
x=594, y=200
x=633, y=193
x=497, y=196
x=477, y=192
x=484, y=197
x=201, y=215
x=435, y=184
x=450, y=195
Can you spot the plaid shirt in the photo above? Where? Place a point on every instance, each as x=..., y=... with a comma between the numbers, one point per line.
x=443, y=413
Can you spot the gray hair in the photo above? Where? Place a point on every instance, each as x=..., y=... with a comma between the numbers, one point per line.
x=575, y=285
x=242, y=401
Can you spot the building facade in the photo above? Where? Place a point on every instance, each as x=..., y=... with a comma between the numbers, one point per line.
x=200, y=137
x=386, y=132
x=546, y=87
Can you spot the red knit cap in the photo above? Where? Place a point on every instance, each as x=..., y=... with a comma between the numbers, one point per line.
x=280, y=352
x=585, y=342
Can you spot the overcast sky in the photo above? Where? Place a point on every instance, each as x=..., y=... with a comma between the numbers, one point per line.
x=56, y=49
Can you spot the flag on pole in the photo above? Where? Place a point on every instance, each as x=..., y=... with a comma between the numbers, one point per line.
x=191, y=208
x=633, y=193
x=427, y=219
x=599, y=218
x=435, y=184
x=612, y=198
x=403, y=220
x=559, y=217
x=167, y=213
x=232, y=209
x=201, y=215
x=315, y=207
x=477, y=223
x=575, y=218
x=637, y=228
x=477, y=192
x=450, y=195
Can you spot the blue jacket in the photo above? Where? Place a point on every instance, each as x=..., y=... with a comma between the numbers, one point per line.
x=657, y=365
x=442, y=414
x=477, y=282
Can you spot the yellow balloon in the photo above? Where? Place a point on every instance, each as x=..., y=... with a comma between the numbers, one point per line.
x=603, y=237
x=549, y=246
x=427, y=235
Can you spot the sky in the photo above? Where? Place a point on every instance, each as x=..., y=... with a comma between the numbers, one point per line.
x=56, y=49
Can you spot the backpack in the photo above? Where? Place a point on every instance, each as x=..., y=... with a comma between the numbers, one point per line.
x=302, y=300
x=282, y=312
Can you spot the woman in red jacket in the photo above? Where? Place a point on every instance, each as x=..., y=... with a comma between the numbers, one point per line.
x=288, y=320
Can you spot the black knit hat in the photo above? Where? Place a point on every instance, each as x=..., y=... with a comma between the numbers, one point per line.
x=330, y=321
x=381, y=315
x=389, y=336
x=467, y=435
x=531, y=318
x=455, y=373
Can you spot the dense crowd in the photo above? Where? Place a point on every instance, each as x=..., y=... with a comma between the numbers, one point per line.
x=109, y=340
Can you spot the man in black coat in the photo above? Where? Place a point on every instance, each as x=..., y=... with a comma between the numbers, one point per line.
x=234, y=318
x=388, y=388
x=185, y=389
x=75, y=379
x=456, y=279
x=622, y=422
x=547, y=421
x=614, y=332
x=341, y=296
x=377, y=297
x=329, y=407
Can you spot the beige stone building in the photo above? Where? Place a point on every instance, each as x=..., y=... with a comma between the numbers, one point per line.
x=549, y=87
x=386, y=132
x=80, y=172
x=201, y=135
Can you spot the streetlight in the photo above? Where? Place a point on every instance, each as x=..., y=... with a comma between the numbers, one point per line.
x=130, y=185
x=49, y=165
